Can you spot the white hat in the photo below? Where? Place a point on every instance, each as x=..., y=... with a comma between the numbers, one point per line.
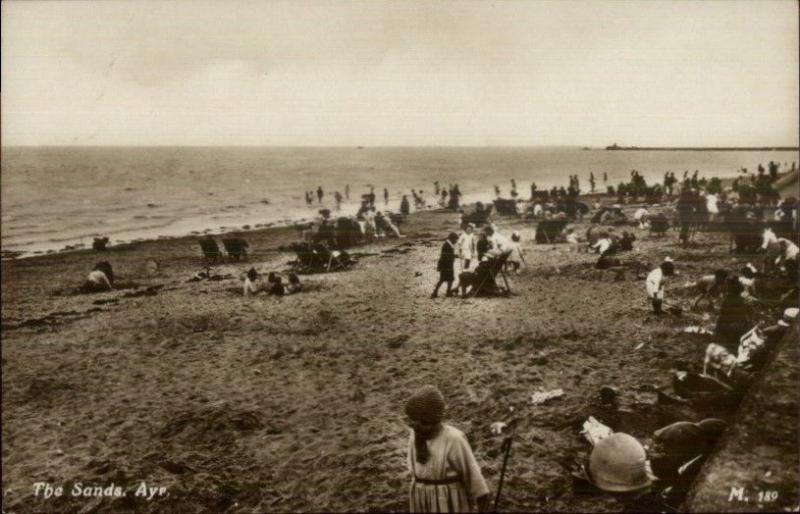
x=789, y=315
x=668, y=259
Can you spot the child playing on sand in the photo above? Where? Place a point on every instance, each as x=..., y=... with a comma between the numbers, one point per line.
x=573, y=240
x=445, y=265
x=655, y=283
x=294, y=284
x=445, y=476
x=515, y=258
x=466, y=246
x=275, y=285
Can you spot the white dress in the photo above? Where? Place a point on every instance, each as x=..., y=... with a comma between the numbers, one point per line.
x=654, y=284
x=466, y=246
x=451, y=464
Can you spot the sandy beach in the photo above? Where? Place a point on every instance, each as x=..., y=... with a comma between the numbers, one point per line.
x=295, y=404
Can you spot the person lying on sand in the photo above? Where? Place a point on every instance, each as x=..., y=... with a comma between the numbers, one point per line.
x=655, y=283
x=445, y=476
x=101, y=278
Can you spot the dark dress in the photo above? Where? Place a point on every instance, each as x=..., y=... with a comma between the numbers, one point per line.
x=733, y=321
x=447, y=260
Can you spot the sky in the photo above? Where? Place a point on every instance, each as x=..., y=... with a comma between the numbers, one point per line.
x=330, y=73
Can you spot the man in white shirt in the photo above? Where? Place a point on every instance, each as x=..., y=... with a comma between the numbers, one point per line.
x=497, y=241
x=655, y=283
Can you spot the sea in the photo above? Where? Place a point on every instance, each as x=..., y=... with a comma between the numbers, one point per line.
x=60, y=198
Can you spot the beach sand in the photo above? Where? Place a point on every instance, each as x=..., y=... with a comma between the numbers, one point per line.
x=295, y=404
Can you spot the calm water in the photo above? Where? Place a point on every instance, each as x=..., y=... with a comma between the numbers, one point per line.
x=52, y=197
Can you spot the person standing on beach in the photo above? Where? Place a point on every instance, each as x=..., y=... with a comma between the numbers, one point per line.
x=497, y=191
x=446, y=264
x=347, y=191
x=445, y=476
x=385, y=196
x=655, y=283
x=338, y=197
x=405, y=208
x=320, y=194
x=466, y=246
x=591, y=181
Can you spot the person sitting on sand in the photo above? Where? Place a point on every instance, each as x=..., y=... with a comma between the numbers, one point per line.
x=275, y=285
x=466, y=246
x=655, y=283
x=625, y=243
x=497, y=241
x=641, y=217
x=515, y=258
x=735, y=315
x=445, y=476
x=606, y=247
x=573, y=240
x=253, y=284
x=101, y=278
x=482, y=246
x=445, y=265
x=294, y=285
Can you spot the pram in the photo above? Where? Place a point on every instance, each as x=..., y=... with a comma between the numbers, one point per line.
x=483, y=281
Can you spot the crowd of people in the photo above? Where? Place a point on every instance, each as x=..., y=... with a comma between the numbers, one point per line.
x=445, y=475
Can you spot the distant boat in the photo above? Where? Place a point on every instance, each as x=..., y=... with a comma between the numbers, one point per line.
x=360, y=147
x=615, y=146
x=585, y=148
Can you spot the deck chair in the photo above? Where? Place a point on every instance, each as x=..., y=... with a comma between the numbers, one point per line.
x=236, y=248
x=483, y=280
x=210, y=249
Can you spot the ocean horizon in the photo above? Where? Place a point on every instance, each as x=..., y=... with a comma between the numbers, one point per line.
x=59, y=196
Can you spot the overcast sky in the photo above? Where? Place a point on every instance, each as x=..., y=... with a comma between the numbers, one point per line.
x=400, y=73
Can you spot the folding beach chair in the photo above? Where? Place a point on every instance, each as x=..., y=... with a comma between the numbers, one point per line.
x=487, y=276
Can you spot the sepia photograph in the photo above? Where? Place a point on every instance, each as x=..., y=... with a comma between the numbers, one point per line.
x=267, y=256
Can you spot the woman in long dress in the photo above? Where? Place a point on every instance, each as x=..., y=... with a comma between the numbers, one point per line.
x=445, y=477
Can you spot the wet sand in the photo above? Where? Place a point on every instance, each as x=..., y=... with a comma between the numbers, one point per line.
x=295, y=404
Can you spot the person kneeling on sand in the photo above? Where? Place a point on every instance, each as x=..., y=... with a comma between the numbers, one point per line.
x=100, y=279
x=445, y=476
x=445, y=265
x=655, y=283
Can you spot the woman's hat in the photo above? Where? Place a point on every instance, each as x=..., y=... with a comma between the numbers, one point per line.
x=426, y=405
x=789, y=315
x=618, y=464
